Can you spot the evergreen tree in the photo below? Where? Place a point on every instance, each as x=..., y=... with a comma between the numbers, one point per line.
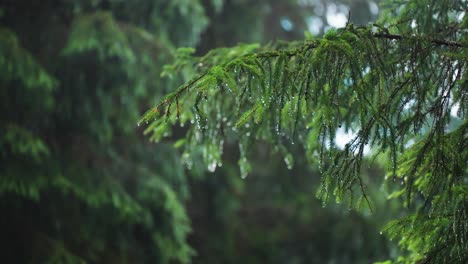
x=400, y=83
x=77, y=182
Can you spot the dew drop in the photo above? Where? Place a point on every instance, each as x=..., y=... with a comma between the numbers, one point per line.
x=288, y=159
x=212, y=166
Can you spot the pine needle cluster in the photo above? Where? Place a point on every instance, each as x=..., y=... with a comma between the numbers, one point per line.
x=400, y=83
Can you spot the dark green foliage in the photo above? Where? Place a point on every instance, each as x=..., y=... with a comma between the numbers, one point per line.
x=395, y=83
x=77, y=183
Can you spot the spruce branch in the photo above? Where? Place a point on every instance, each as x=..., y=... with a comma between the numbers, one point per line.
x=441, y=42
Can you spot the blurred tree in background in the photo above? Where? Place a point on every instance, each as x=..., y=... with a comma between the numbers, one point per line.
x=79, y=183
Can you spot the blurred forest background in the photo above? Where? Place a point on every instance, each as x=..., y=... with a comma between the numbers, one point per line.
x=80, y=183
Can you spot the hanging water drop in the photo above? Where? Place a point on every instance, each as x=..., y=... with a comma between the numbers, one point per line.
x=288, y=159
x=187, y=160
x=212, y=166
x=244, y=167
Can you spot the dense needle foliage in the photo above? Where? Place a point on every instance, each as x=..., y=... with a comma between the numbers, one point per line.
x=400, y=83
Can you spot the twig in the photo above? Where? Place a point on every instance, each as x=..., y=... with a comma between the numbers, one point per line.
x=435, y=41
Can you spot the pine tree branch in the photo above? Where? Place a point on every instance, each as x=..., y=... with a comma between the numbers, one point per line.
x=179, y=91
x=441, y=42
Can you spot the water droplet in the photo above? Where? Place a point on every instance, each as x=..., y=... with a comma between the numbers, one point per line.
x=288, y=159
x=212, y=166
x=186, y=159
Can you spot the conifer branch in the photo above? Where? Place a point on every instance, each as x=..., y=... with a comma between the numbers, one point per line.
x=441, y=42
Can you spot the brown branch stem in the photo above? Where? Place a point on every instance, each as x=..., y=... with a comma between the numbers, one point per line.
x=434, y=41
